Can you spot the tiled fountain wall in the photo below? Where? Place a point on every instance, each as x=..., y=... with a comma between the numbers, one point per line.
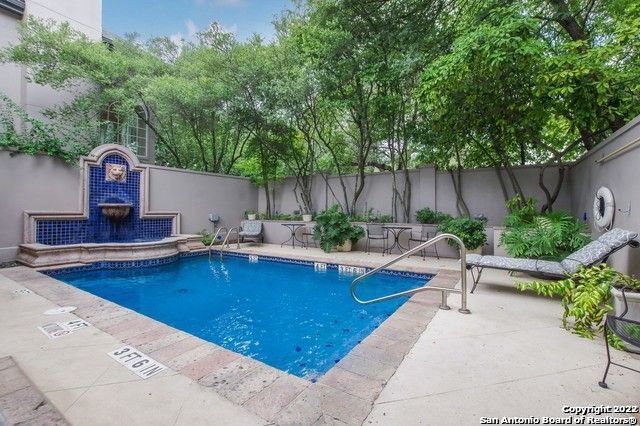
x=99, y=229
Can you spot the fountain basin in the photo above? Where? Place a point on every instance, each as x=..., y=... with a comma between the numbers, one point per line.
x=115, y=211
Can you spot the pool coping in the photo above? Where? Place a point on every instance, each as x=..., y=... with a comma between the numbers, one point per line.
x=345, y=393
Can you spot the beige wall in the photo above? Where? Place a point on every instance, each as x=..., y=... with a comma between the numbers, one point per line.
x=32, y=183
x=429, y=188
x=620, y=174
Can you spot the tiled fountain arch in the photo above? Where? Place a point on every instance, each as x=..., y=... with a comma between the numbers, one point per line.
x=109, y=174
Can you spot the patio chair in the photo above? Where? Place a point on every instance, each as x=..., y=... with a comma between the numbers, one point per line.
x=627, y=330
x=426, y=233
x=306, y=234
x=595, y=252
x=376, y=231
x=250, y=230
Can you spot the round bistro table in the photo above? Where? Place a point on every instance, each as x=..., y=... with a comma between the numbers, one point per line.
x=397, y=231
x=293, y=227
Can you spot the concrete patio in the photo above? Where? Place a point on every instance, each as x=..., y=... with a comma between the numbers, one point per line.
x=510, y=357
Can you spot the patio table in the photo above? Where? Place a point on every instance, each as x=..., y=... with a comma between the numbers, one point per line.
x=293, y=227
x=397, y=231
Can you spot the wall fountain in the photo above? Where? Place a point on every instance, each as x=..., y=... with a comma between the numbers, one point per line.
x=114, y=222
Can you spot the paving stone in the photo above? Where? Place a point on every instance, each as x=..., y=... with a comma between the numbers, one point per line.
x=105, y=323
x=304, y=410
x=354, y=384
x=367, y=367
x=191, y=356
x=23, y=405
x=162, y=341
x=250, y=385
x=230, y=373
x=383, y=350
x=209, y=363
x=21, y=273
x=272, y=399
x=176, y=349
x=336, y=404
x=132, y=328
x=11, y=380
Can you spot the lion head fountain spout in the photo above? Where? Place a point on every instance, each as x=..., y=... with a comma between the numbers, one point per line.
x=115, y=211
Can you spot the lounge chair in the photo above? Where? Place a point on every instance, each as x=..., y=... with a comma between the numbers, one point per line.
x=250, y=230
x=595, y=252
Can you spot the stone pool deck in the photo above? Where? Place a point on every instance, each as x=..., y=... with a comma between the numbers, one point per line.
x=509, y=357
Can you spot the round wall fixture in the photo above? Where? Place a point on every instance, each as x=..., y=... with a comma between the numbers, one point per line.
x=604, y=207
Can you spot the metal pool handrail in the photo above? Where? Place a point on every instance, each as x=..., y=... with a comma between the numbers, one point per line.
x=463, y=276
x=215, y=237
x=226, y=239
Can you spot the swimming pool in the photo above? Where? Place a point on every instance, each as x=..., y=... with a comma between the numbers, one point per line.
x=287, y=315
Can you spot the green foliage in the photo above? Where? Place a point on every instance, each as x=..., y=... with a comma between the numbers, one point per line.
x=532, y=235
x=428, y=216
x=584, y=296
x=371, y=216
x=206, y=237
x=470, y=231
x=39, y=137
x=334, y=229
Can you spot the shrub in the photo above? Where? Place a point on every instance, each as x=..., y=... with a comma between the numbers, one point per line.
x=585, y=297
x=426, y=215
x=206, y=237
x=470, y=231
x=533, y=235
x=334, y=229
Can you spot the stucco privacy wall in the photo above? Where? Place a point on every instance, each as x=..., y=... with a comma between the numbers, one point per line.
x=41, y=183
x=429, y=188
x=620, y=174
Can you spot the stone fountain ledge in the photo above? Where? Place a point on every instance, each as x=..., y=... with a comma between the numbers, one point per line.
x=42, y=256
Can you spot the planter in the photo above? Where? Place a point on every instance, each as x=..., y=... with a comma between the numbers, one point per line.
x=344, y=247
x=307, y=218
x=498, y=250
x=251, y=216
x=633, y=300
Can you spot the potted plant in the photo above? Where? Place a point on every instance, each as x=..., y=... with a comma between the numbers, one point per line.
x=307, y=216
x=631, y=286
x=251, y=215
x=470, y=231
x=587, y=296
x=333, y=230
x=429, y=217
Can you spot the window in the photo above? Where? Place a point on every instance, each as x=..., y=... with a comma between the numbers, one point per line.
x=132, y=133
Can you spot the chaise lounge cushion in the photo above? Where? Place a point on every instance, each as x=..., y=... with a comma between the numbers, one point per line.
x=592, y=253
x=513, y=264
x=617, y=238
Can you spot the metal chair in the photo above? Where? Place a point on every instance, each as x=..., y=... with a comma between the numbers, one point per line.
x=306, y=235
x=426, y=233
x=376, y=231
x=627, y=330
x=250, y=230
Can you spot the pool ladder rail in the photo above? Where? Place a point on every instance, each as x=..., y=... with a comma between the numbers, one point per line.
x=445, y=290
x=226, y=239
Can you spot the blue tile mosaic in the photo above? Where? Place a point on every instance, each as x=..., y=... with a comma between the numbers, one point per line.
x=98, y=228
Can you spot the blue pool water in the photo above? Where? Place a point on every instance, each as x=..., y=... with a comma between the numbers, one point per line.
x=285, y=315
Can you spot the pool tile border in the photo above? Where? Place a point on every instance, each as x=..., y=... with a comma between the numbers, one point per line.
x=343, y=394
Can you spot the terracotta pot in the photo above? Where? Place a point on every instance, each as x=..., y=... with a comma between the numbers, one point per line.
x=344, y=247
x=307, y=218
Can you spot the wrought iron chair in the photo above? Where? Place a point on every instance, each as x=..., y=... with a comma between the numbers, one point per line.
x=627, y=330
x=306, y=234
x=376, y=231
x=426, y=233
x=250, y=230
